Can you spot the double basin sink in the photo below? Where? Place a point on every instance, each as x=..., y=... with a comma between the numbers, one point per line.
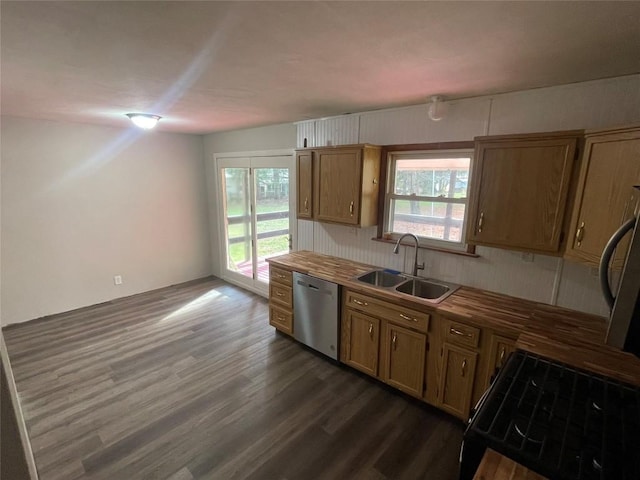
x=433, y=291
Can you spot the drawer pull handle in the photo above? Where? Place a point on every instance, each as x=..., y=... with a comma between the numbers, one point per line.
x=502, y=352
x=464, y=365
x=280, y=275
x=411, y=319
x=580, y=234
x=458, y=332
x=393, y=340
x=280, y=294
x=281, y=318
x=351, y=209
x=371, y=330
x=355, y=300
x=306, y=204
x=480, y=222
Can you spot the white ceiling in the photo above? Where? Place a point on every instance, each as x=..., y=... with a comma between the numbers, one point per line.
x=212, y=66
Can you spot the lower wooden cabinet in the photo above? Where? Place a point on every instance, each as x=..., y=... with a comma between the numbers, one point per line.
x=499, y=350
x=281, y=299
x=404, y=352
x=456, y=380
x=361, y=339
x=385, y=340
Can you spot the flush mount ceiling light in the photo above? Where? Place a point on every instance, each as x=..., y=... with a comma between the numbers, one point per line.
x=144, y=120
x=435, y=108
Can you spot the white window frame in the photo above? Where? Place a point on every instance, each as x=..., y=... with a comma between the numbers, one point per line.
x=426, y=242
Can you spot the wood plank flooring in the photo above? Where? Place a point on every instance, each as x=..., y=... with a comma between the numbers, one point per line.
x=190, y=382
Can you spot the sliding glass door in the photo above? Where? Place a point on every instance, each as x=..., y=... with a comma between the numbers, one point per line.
x=257, y=212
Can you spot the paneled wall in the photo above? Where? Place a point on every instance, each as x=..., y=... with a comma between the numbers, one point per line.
x=586, y=105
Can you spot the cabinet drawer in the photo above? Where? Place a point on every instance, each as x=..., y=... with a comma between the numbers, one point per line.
x=461, y=334
x=281, y=319
x=281, y=295
x=388, y=311
x=279, y=275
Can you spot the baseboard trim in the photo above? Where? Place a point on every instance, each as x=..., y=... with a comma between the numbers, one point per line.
x=22, y=427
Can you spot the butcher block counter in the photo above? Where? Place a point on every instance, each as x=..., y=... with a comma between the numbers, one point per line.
x=557, y=333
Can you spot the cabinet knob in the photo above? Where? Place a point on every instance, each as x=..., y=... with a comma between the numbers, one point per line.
x=480, y=222
x=580, y=234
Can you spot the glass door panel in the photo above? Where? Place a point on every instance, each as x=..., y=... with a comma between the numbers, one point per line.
x=238, y=234
x=272, y=216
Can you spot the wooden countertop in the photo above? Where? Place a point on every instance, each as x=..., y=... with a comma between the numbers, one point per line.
x=497, y=467
x=557, y=333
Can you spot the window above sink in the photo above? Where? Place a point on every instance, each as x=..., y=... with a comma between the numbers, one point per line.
x=426, y=194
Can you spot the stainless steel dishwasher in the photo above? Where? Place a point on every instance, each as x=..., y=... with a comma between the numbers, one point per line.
x=315, y=313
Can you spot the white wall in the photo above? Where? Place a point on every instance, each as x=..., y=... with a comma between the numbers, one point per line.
x=274, y=137
x=585, y=105
x=83, y=203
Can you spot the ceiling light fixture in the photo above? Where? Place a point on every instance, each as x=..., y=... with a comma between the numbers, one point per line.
x=435, y=108
x=144, y=120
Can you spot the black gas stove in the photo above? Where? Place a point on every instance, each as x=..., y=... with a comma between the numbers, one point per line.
x=562, y=422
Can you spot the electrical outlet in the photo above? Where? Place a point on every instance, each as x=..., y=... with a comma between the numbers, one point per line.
x=527, y=257
x=117, y=280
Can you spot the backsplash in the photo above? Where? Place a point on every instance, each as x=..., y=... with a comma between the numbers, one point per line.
x=540, y=278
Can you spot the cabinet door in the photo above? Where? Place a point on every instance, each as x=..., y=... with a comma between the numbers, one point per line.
x=404, y=359
x=305, y=184
x=519, y=193
x=338, y=180
x=500, y=349
x=456, y=381
x=610, y=167
x=361, y=336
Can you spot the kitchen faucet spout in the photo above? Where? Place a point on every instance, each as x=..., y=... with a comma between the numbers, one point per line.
x=416, y=266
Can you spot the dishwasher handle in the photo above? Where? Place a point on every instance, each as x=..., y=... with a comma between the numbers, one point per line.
x=314, y=288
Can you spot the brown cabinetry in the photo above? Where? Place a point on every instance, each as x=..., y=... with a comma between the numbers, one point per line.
x=304, y=163
x=339, y=184
x=281, y=299
x=385, y=340
x=457, y=378
x=499, y=350
x=610, y=167
x=520, y=189
x=404, y=352
x=363, y=338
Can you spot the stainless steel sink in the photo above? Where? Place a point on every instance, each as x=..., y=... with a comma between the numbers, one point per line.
x=382, y=278
x=429, y=290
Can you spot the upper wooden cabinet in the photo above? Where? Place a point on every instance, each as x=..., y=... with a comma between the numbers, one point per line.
x=304, y=163
x=339, y=184
x=520, y=188
x=610, y=167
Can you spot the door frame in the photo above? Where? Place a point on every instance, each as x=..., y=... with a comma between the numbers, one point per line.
x=250, y=159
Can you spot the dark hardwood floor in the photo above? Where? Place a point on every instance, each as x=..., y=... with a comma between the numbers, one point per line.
x=191, y=382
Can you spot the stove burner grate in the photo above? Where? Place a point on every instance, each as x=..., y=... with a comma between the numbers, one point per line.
x=562, y=422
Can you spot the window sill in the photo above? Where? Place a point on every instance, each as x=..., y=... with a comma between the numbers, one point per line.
x=470, y=252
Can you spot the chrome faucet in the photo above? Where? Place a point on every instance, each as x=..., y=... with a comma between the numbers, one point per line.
x=416, y=266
